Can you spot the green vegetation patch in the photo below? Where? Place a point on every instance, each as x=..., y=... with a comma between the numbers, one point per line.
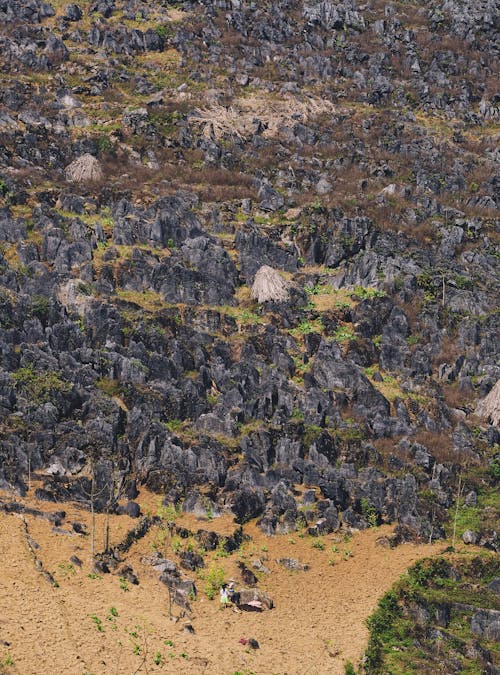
x=40, y=386
x=423, y=622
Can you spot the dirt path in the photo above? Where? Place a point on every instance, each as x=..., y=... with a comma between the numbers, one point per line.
x=317, y=624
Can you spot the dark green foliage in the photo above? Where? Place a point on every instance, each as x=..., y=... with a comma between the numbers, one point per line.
x=163, y=31
x=426, y=283
x=369, y=512
x=495, y=468
x=40, y=306
x=380, y=625
x=104, y=145
x=349, y=668
x=40, y=386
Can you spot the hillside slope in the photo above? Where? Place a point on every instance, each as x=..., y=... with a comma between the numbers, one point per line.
x=164, y=168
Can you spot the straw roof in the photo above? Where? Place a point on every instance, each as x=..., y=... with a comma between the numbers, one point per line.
x=85, y=168
x=489, y=406
x=269, y=285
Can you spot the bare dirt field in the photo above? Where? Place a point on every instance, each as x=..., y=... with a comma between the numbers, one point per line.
x=98, y=624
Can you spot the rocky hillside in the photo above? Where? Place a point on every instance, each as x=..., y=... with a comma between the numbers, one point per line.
x=153, y=157
x=442, y=617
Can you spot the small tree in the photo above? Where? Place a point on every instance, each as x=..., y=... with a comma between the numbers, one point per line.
x=116, y=485
x=457, y=506
x=92, y=494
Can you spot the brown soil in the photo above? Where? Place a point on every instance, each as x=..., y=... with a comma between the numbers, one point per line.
x=317, y=624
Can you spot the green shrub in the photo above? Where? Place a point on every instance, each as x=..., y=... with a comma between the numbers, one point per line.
x=380, y=624
x=362, y=293
x=40, y=385
x=214, y=579
x=163, y=31
x=174, y=425
x=104, y=145
x=343, y=334
x=494, y=468
x=39, y=307
x=369, y=512
x=426, y=283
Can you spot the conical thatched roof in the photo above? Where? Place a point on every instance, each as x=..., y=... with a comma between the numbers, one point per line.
x=84, y=168
x=269, y=285
x=489, y=406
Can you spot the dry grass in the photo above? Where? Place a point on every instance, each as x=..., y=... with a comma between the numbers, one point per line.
x=269, y=285
x=440, y=445
x=489, y=407
x=455, y=397
x=448, y=354
x=238, y=120
x=149, y=301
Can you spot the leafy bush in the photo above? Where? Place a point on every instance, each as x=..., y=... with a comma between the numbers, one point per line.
x=104, y=145
x=380, y=624
x=362, y=293
x=214, y=579
x=495, y=468
x=40, y=385
x=369, y=512
x=39, y=307
x=163, y=31
x=349, y=668
x=343, y=334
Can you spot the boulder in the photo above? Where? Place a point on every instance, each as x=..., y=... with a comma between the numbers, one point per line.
x=485, y=623
x=72, y=13
x=254, y=600
x=489, y=407
x=292, y=564
x=269, y=198
x=470, y=537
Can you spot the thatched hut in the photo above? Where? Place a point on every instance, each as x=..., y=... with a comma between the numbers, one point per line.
x=84, y=169
x=489, y=407
x=269, y=285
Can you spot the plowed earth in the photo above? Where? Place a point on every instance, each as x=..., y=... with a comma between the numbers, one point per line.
x=97, y=624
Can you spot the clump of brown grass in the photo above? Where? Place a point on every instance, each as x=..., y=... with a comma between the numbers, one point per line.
x=440, y=445
x=455, y=397
x=489, y=407
x=269, y=285
x=239, y=119
x=84, y=169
